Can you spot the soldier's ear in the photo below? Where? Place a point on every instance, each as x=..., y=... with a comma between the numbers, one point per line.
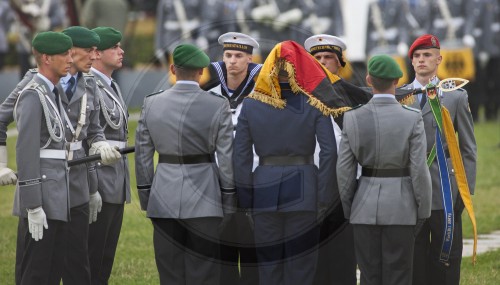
x=368, y=80
x=172, y=69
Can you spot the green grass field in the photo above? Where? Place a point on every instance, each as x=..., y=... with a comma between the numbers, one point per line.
x=134, y=262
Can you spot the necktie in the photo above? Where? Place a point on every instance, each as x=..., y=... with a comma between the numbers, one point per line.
x=422, y=101
x=114, y=87
x=69, y=90
x=56, y=93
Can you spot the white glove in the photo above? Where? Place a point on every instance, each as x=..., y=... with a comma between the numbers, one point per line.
x=469, y=41
x=109, y=155
x=36, y=222
x=402, y=49
x=7, y=176
x=484, y=57
x=95, y=206
x=202, y=42
x=43, y=24
x=287, y=18
x=264, y=12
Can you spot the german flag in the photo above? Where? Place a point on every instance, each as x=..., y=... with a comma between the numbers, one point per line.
x=305, y=74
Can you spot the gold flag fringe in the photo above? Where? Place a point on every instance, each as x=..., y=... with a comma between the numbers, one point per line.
x=274, y=97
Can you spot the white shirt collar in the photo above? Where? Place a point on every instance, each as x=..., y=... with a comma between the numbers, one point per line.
x=47, y=81
x=187, y=82
x=104, y=76
x=383, y=96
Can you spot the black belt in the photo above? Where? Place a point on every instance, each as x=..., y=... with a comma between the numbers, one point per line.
x=372, y=172
x=186, y=159
x=286, y=160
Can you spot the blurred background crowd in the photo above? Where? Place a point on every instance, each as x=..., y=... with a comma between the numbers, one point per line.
x=469, y=31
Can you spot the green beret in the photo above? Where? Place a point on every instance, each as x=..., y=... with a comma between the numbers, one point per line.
x=82, y=37
x=384, y=66
x=109, y=37
x=189, y=56
x=51, y=43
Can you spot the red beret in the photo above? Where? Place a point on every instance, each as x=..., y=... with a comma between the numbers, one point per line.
x=424, y=42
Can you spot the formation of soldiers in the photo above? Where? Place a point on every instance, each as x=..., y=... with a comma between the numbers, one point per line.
x=257, y=179
x=470, y=28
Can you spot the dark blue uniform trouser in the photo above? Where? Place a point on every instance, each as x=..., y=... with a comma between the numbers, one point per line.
x=286, y=247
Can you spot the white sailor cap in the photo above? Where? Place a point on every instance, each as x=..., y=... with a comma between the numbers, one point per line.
x=319, y=43
x=238, y=41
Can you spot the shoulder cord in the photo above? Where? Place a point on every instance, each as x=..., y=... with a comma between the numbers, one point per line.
x=106, y=111
x=48, y=115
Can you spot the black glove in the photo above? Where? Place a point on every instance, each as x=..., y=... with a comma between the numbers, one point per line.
x=418, y=226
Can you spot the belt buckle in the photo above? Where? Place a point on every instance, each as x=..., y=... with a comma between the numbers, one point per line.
x=72, y=146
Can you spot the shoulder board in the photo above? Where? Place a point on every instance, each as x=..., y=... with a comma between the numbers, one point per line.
x=355, y=107
x=216, y=94
x=33, y=70
x=411, y=109
x=155, y=93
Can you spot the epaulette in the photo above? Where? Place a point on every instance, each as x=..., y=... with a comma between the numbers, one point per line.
x=411, y=109
x=355, y=107
x=216, y=94
x=155, y=93
x=33, y=70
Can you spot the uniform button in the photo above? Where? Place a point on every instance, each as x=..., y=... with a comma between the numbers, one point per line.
x=44, y=176
x=88, y=107
x=69, y=110
x=452, y=170
x=67, y=126
x=99, y=164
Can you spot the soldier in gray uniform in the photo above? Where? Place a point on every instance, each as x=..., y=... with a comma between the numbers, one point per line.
x=176, y=21
x=428, y=269
x=491, y=50
x=6, y=19
x=393, y=192
x=279, y=20
x=34, y=16
x=486, y=45
x=42, y=196
x=113, y=180
x=81, y=108
x=184, y=197
x=325, y=18
x=80, y=176
x=387, y=28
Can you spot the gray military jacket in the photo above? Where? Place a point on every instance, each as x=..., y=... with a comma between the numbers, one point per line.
x=7, y=106
x=113, y=180
x=82, y=180
x=457, y=104
x=42, y=178
x=384, y=135
x=184, y=120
